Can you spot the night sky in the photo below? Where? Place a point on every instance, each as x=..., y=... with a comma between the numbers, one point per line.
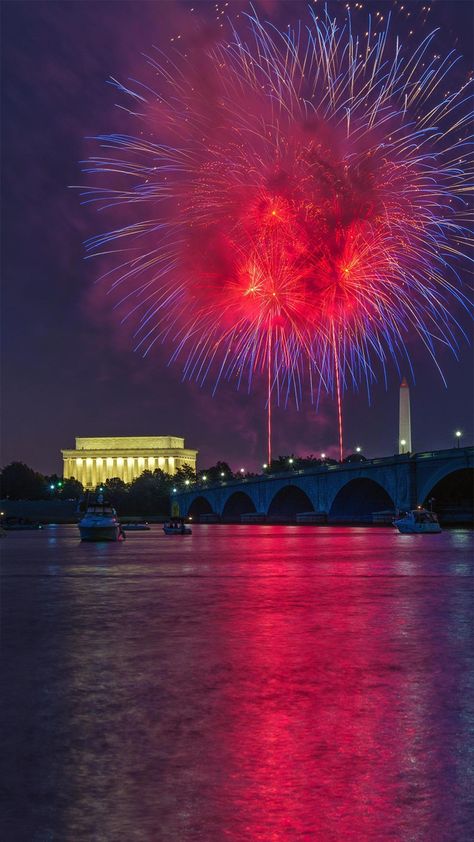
x=67, y=370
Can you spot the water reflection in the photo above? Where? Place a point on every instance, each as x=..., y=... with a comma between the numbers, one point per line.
x=250, y=683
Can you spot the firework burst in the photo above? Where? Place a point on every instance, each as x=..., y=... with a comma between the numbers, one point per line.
x=297, y=205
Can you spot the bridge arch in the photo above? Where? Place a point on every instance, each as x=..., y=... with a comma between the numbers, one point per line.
x=359, y=498
x=238, y=503
x=453, y=495
x=426, y=488
x=289, y=501
x=200, y=506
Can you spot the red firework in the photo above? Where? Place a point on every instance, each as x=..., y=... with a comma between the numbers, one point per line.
x=298, y=206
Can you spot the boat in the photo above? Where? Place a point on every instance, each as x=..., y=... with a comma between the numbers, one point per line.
x=418, y=521
x=100, y=523
x=135, y=527
x=20, y=523
x=176, y=526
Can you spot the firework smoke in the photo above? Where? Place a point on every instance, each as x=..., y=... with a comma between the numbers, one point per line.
x=296, y=205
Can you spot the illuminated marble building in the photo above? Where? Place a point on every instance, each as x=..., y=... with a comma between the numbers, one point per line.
x=96, y=459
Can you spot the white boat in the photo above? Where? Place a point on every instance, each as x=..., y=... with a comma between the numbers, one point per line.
x=418, y=521
x=176, y=526
x=100, y=523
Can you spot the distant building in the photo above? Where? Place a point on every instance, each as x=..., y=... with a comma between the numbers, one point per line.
x=96, y=459
x=404, y=437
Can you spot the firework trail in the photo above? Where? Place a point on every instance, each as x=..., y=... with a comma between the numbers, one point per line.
x=296, y=205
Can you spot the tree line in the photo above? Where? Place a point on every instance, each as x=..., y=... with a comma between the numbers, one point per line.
x=149, y=493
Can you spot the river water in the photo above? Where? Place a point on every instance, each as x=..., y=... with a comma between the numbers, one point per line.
x=243, y=684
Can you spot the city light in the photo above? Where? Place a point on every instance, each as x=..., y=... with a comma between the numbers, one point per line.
x=458, y=435
x=204, y=478
x=291, y=461
x=358, y=449
x=242, y=470
x=186, y=481
x=222, y=474
x=174, y=490
x=323, y=455
x=264, y=465
x=52, y=486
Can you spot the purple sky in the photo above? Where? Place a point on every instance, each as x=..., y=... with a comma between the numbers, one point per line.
x=66, y=369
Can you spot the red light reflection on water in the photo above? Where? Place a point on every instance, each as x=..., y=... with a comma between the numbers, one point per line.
x=250, y=684
x=328, y=731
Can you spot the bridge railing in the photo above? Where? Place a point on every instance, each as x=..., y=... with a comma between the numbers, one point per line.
x=441, y=454
x=292, y=472
x=321, y=469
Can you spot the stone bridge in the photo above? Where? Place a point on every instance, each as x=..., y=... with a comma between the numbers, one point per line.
x=347, y=491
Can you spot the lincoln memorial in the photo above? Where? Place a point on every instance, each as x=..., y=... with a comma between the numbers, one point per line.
x=96, y=459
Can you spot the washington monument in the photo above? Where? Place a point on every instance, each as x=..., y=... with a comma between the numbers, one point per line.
x=404, y=433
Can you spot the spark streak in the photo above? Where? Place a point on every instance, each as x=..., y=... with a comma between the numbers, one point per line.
x=295, y=203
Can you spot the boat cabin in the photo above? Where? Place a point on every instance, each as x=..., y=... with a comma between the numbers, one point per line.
x=423, y=516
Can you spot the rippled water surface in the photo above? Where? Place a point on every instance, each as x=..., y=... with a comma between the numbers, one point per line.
x=244, y=683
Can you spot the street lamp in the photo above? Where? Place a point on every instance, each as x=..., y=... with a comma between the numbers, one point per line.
x=264, y=465
x=403, y=444
x=242, y=470
x=222, y=474
x=187, y=481
x=204, y=478
x=290, y=460
x=458, y=435
x=323, y=455
x=358, y=449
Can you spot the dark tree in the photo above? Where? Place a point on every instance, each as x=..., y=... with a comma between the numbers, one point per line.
x=71, y=489
x=117, y=493
x=53, y=479
x=214, y=473
x=19, y=482
x=310, y=461
x=149, y=494
x=282, y=464
x=355, y=457
x=183, y=474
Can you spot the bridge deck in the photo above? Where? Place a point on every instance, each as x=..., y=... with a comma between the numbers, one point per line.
x=385, y=484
